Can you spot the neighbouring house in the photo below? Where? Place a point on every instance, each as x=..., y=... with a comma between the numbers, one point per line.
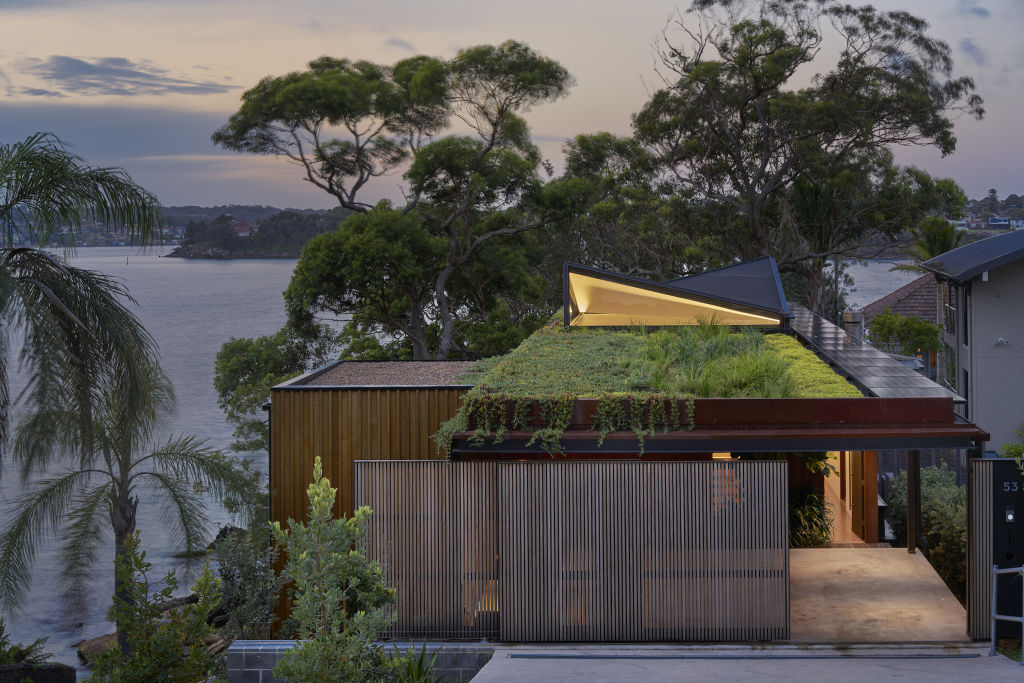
x=918, y=299
x=982, y=304
x=630, y=473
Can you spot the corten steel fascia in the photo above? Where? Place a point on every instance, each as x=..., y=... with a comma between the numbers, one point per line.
x=625, y=445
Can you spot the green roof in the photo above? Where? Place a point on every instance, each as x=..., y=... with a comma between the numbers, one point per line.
x=700, y=362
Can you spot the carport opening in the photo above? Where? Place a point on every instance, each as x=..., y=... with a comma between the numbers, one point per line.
x=862, y=587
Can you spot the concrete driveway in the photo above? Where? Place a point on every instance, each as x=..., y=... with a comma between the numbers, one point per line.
x=934, y=663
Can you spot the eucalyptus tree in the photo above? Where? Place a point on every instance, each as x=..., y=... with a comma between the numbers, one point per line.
x=89, y=494
x=407, y=271
x=730, y=124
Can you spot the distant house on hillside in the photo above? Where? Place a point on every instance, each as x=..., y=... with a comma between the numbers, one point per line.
x=982, y=304
x=243, y=229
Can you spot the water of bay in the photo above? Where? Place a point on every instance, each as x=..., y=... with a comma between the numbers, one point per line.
x=191, y=308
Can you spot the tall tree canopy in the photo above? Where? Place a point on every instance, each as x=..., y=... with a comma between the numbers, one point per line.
x=731, y=125
x=411, y=272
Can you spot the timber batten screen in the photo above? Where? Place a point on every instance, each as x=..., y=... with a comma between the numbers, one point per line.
x=433, y=530
x=583, y=551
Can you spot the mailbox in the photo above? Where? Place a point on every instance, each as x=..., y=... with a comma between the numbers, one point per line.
x=1008, y=540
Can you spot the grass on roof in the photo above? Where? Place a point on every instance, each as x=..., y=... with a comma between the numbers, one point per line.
x=685, y=362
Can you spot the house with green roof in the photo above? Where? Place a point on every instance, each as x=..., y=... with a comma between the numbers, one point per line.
x=629, y=472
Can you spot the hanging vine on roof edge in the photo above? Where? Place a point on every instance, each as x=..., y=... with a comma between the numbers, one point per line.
x=490, y=416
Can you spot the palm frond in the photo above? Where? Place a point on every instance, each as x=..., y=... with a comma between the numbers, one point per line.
x=82, y=537
x=181, y=509
x=187, y=458
x=43, y=188
x=41, y=511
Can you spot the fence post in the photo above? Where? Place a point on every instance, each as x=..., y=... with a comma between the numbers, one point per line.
x=995, y=583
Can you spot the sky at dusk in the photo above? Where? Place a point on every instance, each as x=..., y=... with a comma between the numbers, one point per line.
x=142, y=84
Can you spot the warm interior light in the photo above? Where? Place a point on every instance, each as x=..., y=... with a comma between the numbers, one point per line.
x=721, y=456
x=602, y=303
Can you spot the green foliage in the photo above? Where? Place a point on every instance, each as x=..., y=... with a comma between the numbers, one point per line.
x=246, y=369
x=802, y=159
x=906, y=335
x=250, y=586
x=416, y=667
x=163, y=646
x=15, y=653
x=339, y=595
x=424, y=275
x=642, y=381
x=934, y=236
x=284, y=233
x=44, y=188
x=943, y=522
x=810, y=519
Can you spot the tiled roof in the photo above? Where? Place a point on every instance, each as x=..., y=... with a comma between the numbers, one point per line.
x=917, y=298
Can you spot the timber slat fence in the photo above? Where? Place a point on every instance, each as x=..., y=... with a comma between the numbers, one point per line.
x=582, y=551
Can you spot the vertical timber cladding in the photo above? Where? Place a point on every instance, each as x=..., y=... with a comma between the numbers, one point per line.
x=434, y=530
x=343, y=425
x=644, y=551
x=979, y=550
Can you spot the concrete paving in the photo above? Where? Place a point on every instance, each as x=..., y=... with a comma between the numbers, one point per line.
x=793, y=664
x=870, y=595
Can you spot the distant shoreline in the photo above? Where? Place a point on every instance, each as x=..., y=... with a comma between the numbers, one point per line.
x=222, y=255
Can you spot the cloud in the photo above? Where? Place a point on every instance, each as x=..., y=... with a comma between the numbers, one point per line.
x=113, y=76
x=968, y=7
x=400, y=44
x=973, y=51
x=36, y=92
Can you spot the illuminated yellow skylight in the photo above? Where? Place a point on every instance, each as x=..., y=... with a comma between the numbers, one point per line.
x=603, y=303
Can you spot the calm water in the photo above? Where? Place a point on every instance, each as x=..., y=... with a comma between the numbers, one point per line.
x=873, y=280
x=191, y=308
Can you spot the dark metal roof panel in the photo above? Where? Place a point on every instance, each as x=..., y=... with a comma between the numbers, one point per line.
x=971, y=260
x=755, y=283
x=869, y=368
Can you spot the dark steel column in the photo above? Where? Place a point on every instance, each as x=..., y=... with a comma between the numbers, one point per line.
x=913, y=499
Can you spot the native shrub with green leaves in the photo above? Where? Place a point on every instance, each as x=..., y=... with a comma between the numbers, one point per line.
x=905, y=334
x=339, y=595
x=943, y=522
x=163, y=646
x=643, y=382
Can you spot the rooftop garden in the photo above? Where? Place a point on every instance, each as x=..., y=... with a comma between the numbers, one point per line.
x=642, y=381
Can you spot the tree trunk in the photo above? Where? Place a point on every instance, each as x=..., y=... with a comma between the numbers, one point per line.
x=122, y=519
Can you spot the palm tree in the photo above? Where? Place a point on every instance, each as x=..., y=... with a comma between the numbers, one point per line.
x=100, y=486
x=935, y=236
x=69, y=317
x=95, y=392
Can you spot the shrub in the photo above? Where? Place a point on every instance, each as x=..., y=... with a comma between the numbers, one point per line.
x=810, y=519
x=162, y=646
x=339, y=595
x=16, y=653
x=943, y=522
x=245, y=565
